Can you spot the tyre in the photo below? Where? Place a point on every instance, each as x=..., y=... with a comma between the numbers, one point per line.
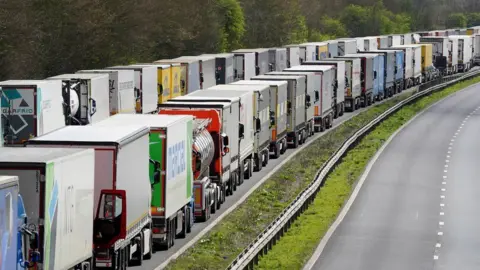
x=148, y=256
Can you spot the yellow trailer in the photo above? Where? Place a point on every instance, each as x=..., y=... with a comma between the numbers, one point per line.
x=427, y=55
x=175, y=80
x=183, y=78
x=322, y=51
x=470, y=31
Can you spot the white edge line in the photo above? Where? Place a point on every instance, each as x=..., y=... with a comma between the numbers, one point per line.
x=311, y=262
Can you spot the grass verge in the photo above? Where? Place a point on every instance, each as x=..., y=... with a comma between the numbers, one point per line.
x=217, y=248
x=298, y=244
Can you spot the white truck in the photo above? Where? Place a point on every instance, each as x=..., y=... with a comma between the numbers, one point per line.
x=122, y=195
x=476, y=48
x=293, y=55
x=146, y=94
x=121, y=85
x=332, y=48
x=277, y=116
x=296, y=106
x=445, y=53
x=394, y=40
x=207, y=69
x=464, y=51
x=277, y=59
x=57, y=187
x=243, y=65
x=171, y=182
x=88, y=96
x=370, y=43
x=30, y=108
x=408, y=64
x=261, y=59
x=260, y=116
x=347, y=46
x=413, y=57
x=308, y=52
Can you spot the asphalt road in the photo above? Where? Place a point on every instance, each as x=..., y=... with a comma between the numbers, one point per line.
x=162, y=256
x=418, y=207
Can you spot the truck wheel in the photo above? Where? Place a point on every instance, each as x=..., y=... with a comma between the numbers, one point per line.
x=185, y=221
x=295, y=140
x=174, y=228
x=241, y=175
x=276, y=151
x=233, y=182
x=246, y=174
x=213, y=208
x=222, y=199
x=258, y=163
x=148, y=256
x=138, y=254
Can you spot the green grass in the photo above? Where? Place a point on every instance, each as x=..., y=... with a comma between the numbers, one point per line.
x=298, y=244
x=219, y=247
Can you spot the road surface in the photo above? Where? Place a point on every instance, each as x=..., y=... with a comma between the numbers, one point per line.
x=419, y=207
x=162, y=256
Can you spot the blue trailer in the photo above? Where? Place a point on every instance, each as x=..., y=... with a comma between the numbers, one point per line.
x=380, y=61
x=400, y=72
x=389, y=76
x=15, y=236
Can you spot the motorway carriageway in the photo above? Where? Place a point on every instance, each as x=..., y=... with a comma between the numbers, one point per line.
x=418, y=207
x=161, y=258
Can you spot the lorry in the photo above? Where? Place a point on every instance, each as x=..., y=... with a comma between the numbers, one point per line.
x=223, y=67
x=322, y=50
x=31, y=108
x=346, y=46
x=56, y=186
x=339, y=89
x=297, y=123
x=261, y=59
x=445, y=54
x=122, y=223
x=332, y=48
x=146, y=92
x=464, y=51
x=428, y=71
x=394, y=40
x=382, y=42
x=168, y=80
x=293, y=55
x=243, y=66
x=389, y=62
x=313, y=84
x=378, y=74
x=217, y=115
x=207, y=69
x=277, y=59
x=122, y=95
x=170, y=155
x=308, y=52
x=408, y=73
x=360, y=43
x=189, y=76
x=476, y=48
x=406, y=39
x=88, y=96
x=261, y=112
x=277, y=114
x=370, y=43
x=324, y=104
x=366, y=77
x=15, y=231
x=415, y=60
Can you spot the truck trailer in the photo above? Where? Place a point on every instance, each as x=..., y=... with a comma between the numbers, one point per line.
x=340, y=89
x=261, y=59
x=243, y=66
x=189, y=76
x=415, y=60
x=261, y=112
x=207, y=69
x=21, y=119
x=122, y=195
x=277, y=59
x=370, y=43
x=379, y=90
x=57, y=189
x=168, y=80
x=347, y=46
x=445, y=54
x=293, y=55
x=146, y=92
x=223, y=67
x=277, y=114
x=172, y=184
x=382, y=42
x=220, y=114
x=121, y=85
x=366, y=77
x=464, y=51
x=296, y=106
x=394, y=40
x=308, y=52
x=428, y=70
x=332, y=48
x=389, y=62
x=88, y=95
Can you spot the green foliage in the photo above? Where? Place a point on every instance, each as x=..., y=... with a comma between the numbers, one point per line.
x=456, y=20
x=473, y=19
x=333, y=27
x=298, y=244
x=233, y=25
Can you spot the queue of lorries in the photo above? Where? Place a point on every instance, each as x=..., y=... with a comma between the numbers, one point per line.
x=101, y=168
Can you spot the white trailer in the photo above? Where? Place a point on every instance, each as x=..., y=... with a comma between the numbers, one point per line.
x=261, y=115
x=89, y=96
x=370, y=43
x=415, y=60
x=146, y=94
x=409, y=56
x=464, y=51
x=172, y=184
x=121, y=182
x=394, y=40
x=293, y=55
x=31, y=108
x=360, y=43
x=308, y=52
x=347, y=46
x=207, y=69
x=277, y=58
x=332, y=48
x=406, y=39
x=243, y=65
x=382, y=42
x=445, y=52
x=278, y=114
x=476, y=48
x=57, y=187
x=121, y=85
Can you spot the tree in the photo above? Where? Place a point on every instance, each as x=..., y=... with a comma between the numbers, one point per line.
x=456, y=20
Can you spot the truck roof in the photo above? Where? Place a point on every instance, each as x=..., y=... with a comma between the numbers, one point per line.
x=21, y=82
x=360, y=55
x=406, y=46
x=35, y=154
x=157, y=65
x=148, y=120
x=291, y=45
x=385, y=51
x=219, y=55
x=181, y=103
x=84, y=76
x=255, y=87
x=176, y=60
x=315, y=43
x=214, y=94
x=197, y=57
x=275, y=83
x=277, y=49
x=128, y=67
x=310, y=67
x=278, y=77
x=257, y=50
x=94, y=134
x=7, y=180
x=333, y=61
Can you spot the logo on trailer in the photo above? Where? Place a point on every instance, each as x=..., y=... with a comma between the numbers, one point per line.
x=176, y=160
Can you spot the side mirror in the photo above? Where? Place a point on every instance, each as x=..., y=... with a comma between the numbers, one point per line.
x=156, y=170
x=217, y=75
x=317, y=95
x=307, y=97
x=289, y=105
x=270, y=66
x=288, y=64
x=241, y=131
x=201, y=77
x=226, y=150
x=160, y=89
x=225, y=139
x=257, y=70
x=374, y=74
x=235, y=73
x=260, y=97
x=272, y=118
x=258, y=124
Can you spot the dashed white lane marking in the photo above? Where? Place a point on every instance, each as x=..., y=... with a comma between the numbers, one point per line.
x=441, y=223
x=442, y=196
x=435, y=257
x=444, y=183
x=445, y=171
x=442, y=205
x=438, y=245
x=440, y=233
x=442, y=213
x=443, y=190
